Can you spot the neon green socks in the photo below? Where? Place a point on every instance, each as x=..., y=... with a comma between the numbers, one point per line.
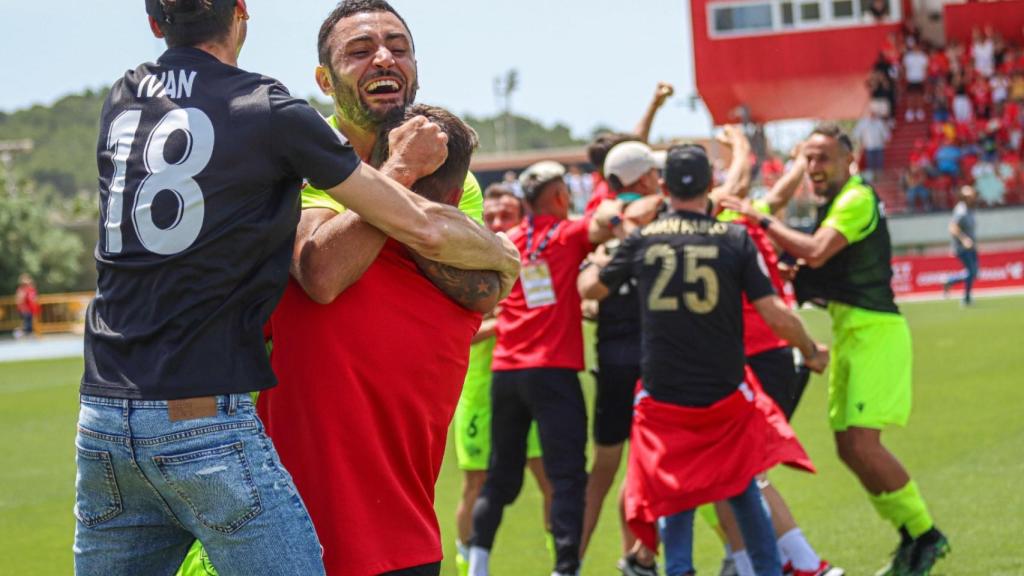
x=904, y=508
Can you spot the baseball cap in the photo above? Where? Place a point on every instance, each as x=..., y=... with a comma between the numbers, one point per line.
x=537, y=175
x=687, y=171
x=629, y=161
x=188, y=12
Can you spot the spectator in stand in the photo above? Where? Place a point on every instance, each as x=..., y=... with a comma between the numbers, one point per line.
x=962, y=228
x=882, y=94
x=941, y=99
x=1017, y=85
x=981, y=97
x=983, y=53
x=963, y=108
x=915, y=186
x=878, y=10
x=915, y=67
x=27, y=300
x=956, y=57
x=947, y=159
x=990, y=181
x=871, y=134
x=938, y=64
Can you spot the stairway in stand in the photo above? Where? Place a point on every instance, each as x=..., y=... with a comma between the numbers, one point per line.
x=897, y=158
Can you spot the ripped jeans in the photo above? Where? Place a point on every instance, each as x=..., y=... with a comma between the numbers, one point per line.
x=147, y=487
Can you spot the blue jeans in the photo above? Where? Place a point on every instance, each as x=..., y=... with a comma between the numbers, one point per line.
x=969, y=273
x=147, y=487
x=756, y=526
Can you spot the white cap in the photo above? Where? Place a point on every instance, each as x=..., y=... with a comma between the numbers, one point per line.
x=537, y=175
x=629, y=161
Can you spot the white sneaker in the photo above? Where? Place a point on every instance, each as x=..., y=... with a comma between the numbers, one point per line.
x=909, y=115
x=920, y=114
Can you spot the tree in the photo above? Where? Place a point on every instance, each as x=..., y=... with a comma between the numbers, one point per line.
x=33, y=242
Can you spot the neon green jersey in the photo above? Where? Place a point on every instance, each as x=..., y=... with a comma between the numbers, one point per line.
x=471, y=203
x=732, y=215
x=853, y=215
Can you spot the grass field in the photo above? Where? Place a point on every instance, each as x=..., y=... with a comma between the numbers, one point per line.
x=964, y=446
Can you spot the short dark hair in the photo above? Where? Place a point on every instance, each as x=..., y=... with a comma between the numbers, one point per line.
x=834, y=131
x=207, y=21
x=462, y=141
x=599, y=147
x=498, y=190
x=347, y=8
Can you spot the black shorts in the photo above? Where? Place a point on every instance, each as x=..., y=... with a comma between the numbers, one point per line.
x=613, y=408
x=915, y=87
x=433, y=569
x=780, y=378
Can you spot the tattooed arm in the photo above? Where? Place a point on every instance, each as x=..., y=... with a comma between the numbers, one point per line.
x=476, y=290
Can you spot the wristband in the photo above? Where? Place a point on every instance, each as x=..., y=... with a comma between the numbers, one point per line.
x=765, y=222
x=614, y=221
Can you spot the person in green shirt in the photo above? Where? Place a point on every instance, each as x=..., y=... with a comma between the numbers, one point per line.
x=846, y=267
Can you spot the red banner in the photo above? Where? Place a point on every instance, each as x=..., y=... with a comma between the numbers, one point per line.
x=912, y=275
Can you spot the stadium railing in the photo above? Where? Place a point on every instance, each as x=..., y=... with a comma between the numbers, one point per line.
x=57, y=313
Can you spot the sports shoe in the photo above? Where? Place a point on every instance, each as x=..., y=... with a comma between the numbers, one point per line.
x=824, y=569
x=899, y=565
x=928, y=549
x=728, y=566
x=632, y=567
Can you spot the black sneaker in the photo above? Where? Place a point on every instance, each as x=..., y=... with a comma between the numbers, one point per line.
x=901, y=557
x=630, y=566
x=928, y=549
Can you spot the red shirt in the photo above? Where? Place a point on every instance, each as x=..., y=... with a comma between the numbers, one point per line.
x=600, y=193
x=368, y=387
x=27, y=299
x=547, y=336
x=757, y=335
x=682, y=457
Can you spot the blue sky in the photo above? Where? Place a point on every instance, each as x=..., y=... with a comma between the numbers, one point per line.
x=580, y=62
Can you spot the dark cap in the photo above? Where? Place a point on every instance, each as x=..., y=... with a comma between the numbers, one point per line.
x=687, y=171
x=188, y=12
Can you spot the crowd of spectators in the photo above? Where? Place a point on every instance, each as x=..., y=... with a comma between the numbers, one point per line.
x=972, y=96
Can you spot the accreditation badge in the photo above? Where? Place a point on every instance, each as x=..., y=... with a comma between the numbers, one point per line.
x=537, y=287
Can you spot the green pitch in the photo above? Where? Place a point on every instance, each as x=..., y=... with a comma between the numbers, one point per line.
x=963, y=446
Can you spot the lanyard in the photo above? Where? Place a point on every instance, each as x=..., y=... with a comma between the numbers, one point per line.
x=543, y=243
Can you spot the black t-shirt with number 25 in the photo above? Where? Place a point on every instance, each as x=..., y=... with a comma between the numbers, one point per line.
x=200, y=165
x=691, y=271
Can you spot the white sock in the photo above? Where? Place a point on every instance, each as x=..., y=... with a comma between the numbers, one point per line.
x=744, y=567
x=783, y=557
x=462, y=549
x=799, y=550
x=478, y=560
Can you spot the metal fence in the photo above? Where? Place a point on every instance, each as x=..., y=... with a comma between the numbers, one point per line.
x=58, y=313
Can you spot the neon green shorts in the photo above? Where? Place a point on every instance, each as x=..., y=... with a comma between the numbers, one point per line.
x=869, y=379
x=196, y=563
x=473, y=427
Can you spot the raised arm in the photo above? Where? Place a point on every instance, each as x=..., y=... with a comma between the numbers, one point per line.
x=737, y=180
x=476, y=290
x=815, y=250
x=784, y=189
x=661, y=94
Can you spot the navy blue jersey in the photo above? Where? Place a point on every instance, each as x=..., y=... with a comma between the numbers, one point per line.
x=691, y=272
x=200, y=165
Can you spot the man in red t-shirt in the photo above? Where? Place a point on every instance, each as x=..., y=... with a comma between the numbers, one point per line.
x=361, y=416
x=27, y=300
x=538, y=353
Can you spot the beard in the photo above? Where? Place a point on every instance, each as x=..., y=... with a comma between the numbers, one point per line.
x=356, y=111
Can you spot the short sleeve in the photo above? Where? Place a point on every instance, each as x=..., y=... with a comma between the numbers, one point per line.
x=853, y=214
x=959, y=212
x=472, y=201
x=314, y=198
x=620, y=268
x=757, y=282
x=577, y=234
x=307, y=143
